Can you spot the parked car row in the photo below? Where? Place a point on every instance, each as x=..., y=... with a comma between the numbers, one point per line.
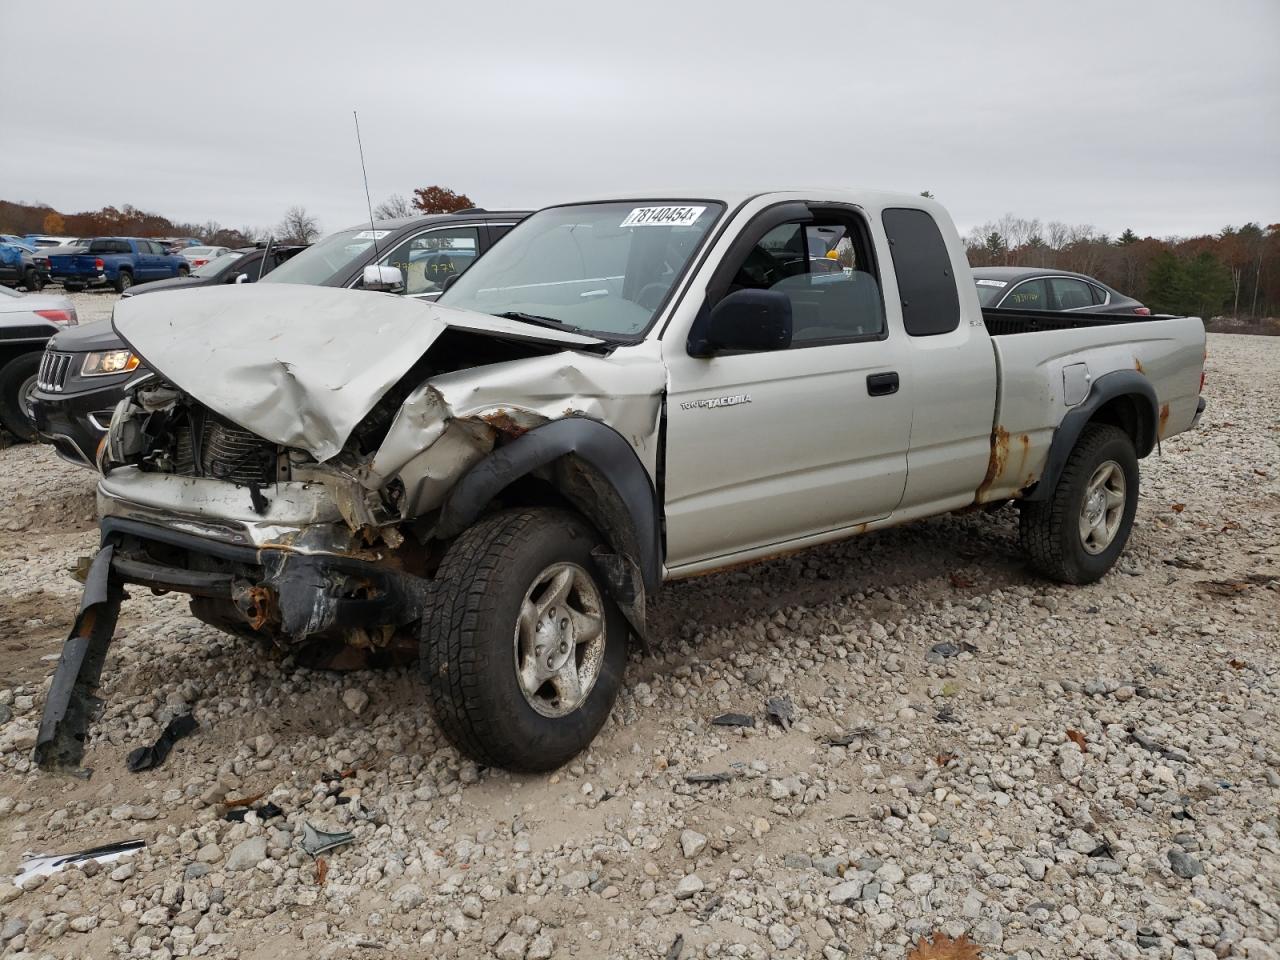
x=37, y=259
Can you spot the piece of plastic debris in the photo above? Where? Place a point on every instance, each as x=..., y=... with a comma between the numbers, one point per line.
x=316, y=841
x=145, y=758
x=733, y=720
x=781, y=711
x=267, y=811
x=708, y=777
x=43, y=864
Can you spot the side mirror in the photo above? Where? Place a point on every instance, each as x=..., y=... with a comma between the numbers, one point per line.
x=241, y=278
x=383, y=279
x=746, y=320
x=449, y=281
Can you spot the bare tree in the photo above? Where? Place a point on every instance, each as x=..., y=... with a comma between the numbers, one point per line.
x=393, y=208
x=298, y=226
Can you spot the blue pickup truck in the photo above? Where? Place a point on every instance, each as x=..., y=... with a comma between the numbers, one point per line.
x=118, y=261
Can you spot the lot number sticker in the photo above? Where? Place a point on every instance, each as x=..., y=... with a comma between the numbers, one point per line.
x=991, y=283
x=663, y=217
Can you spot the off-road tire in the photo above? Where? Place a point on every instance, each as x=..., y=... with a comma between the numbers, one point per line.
x=32, y=280
x=1049, y=529
x=123, y=281
x=468, y=648
x=16, y=378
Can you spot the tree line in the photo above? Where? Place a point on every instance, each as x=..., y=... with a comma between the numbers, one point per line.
x=1234, y=272
x=296, y=226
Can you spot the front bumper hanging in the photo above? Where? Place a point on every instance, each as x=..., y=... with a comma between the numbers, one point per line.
x=73, y=703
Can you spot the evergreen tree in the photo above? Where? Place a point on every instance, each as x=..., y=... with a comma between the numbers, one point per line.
x=1126, y=238
x=1206, y=284
x=1164, y=283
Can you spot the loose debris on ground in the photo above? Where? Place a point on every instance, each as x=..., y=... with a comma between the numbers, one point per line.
x=928, y=788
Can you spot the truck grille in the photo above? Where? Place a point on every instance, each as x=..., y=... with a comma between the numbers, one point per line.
x=226, y=453
x=52, y=376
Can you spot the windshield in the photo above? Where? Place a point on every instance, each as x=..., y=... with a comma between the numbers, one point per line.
x=216, y=265
x=335, y=254
x=989, y=291
x=600, y=267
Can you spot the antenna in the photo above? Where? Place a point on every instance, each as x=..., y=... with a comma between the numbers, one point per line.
x=262, y=264
x=367, y=199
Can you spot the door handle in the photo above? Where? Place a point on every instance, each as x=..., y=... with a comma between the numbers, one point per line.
x=882, y=384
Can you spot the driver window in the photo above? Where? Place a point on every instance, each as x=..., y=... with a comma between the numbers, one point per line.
x=824, y=268
x=431, y=258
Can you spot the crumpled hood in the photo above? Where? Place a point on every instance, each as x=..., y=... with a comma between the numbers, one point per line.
x=298, y=365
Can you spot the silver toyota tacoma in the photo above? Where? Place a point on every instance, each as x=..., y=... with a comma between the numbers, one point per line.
x=621, y=393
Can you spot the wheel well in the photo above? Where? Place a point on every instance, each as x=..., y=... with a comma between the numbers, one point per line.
x=572, y=482
x=1131, y=413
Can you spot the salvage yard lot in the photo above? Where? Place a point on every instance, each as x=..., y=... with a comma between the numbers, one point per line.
x=1020, y=758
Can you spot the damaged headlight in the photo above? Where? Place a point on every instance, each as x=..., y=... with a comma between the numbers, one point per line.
x=102, y=363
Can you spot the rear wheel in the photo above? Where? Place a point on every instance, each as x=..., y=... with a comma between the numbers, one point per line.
x=32, y=280
x=1077, y=534
x=184, y=271
x=17, y=380
x=523, y=652
x=124, y=280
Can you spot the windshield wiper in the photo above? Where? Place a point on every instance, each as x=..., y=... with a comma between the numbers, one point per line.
x=533, y=318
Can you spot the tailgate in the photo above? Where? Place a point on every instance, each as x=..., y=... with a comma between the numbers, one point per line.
x=73, y=264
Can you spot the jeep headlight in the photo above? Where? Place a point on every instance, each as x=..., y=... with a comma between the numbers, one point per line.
x=104, y=362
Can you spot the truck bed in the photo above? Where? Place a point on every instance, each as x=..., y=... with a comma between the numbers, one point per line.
x=1031, y=370
x=1005, y=322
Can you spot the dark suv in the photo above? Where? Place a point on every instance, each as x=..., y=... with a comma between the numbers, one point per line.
x=83, y=377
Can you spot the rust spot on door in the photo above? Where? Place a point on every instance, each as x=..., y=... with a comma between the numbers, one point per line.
x=1164, y=420
x=998, y=460
x=1137, y=365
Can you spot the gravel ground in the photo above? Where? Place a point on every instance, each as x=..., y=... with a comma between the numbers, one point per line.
x=1086, y=772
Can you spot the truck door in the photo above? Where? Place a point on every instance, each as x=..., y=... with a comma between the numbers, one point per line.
x=768, y=447
x=148, y=260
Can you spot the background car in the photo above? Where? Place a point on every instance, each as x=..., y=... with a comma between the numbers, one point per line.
x=245, y=261
x=18, y=241
x=41, y=240
x=18, y=267
x=27, y=321
x=93, y=368
x=1040, y=288
x=199, y=256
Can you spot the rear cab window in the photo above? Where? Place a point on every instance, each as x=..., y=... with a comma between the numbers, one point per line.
x=926, y=282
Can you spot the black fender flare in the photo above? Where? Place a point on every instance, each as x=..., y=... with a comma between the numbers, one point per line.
x=1109, y=386
x=594, y=442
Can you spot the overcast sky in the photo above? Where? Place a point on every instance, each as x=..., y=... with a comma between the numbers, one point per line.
x=1162, y=116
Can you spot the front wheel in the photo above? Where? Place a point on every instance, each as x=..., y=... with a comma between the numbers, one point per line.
x=523, y=652
x=17, y=380
x=124, y=280
x=184, y=271
x=1077, y=534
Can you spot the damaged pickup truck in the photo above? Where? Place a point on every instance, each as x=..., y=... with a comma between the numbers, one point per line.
x=621, y=393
